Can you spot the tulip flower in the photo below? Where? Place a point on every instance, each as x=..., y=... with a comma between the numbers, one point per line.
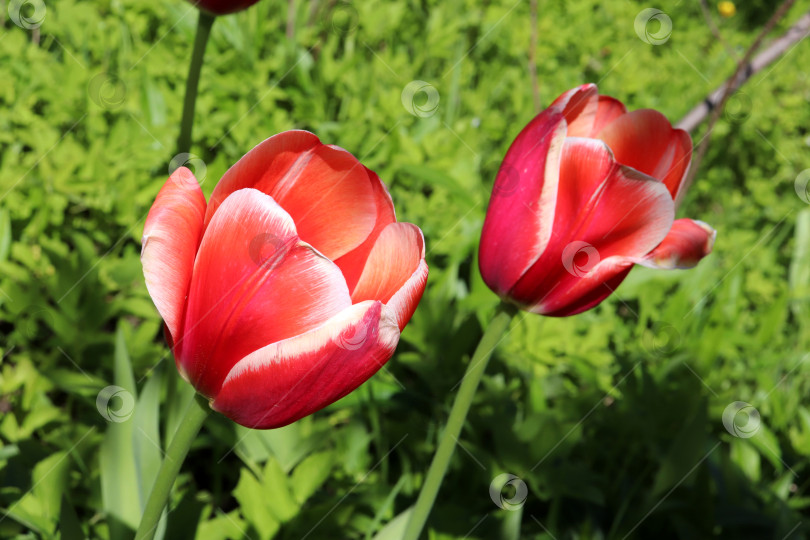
x=290, y=287
x=223, y=7
x=586, y=191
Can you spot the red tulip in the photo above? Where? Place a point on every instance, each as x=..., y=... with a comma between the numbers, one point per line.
x=586, y=190
x=223, y=7
x=288, y=289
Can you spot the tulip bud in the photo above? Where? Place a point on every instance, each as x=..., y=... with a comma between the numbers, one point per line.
x=586, y=191
x=223, y=7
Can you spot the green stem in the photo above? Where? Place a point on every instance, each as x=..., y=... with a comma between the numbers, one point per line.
x=187, y=431
x=475, y=370
x=204, y=25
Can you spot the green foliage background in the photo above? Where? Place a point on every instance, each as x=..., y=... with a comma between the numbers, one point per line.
x=612, y=418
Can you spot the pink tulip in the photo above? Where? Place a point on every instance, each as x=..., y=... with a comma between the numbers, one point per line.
x=586, y=191
x=223, y=7
x=288, y=289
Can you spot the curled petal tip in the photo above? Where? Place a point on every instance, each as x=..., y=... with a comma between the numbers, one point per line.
x=686, y=244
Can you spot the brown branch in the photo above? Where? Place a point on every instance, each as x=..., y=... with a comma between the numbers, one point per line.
x=290, y=33
x=731, y=84
x=796, y=33
x=533, y=58
x=313, y=12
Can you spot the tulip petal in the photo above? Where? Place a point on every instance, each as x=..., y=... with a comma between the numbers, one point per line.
x=406, y=299
x=585, y=293
x=518, y=224
x=329, y=194
x=352, y=263
x=608, y=110
x=687, y=242
x=395, y=256
x=290, y=379
x=605, y=211
x=645, y=140
x=171, y=235
x=395, y=263
x=254, y=283
x=579, y=107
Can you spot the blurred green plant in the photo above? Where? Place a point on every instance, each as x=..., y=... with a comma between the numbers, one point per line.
x=613, y=419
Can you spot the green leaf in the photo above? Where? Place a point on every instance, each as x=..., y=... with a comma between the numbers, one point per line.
x=120, y=495
x=310, y=475
x=5, y=234
x=69, y=526
x=255, y=504
x=395, y=529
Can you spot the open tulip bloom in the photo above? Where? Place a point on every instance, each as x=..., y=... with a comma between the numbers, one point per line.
x=586, y=191
x=289, y=288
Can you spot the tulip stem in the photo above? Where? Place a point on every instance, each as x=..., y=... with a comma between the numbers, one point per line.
x=186, y=432
x=204, y=25
x=447, y=445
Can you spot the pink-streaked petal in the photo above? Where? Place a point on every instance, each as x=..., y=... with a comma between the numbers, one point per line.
x=519, y=220
x=329, y=194
x=405, y=300
x=352, y=263
x=254, y=283
x=171, y=236
x=579, y=107
x=686, y=244
x=586, y=292
x=290, y=379
x=606, y=211
x=645, y=140
x=393, y=259
x=609, y=109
